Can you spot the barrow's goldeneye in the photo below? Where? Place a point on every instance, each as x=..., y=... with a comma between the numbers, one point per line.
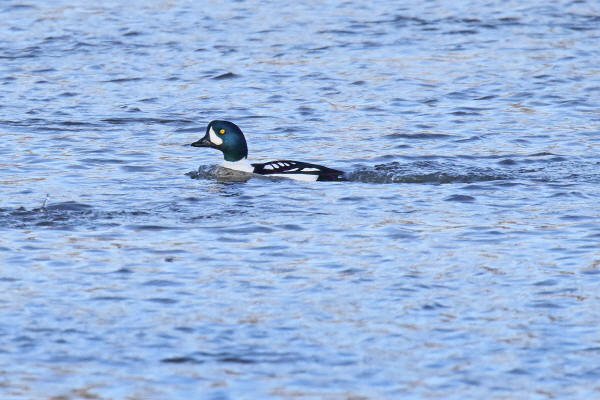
x=228, y=137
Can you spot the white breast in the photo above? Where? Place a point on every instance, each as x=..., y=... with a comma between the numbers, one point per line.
x=241, y=165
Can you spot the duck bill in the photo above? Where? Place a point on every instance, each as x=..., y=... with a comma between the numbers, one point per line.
x=204, y=142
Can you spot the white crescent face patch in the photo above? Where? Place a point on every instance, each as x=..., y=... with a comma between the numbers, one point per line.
x=213, y=137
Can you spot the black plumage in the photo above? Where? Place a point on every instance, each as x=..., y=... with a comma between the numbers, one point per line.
x=289, y=167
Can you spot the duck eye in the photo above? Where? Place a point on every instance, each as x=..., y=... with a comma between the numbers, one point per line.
x=222, y=131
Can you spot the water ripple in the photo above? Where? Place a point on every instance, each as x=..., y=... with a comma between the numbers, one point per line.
x=459, y=261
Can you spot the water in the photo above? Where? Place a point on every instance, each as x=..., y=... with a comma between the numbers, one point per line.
x=460, y=261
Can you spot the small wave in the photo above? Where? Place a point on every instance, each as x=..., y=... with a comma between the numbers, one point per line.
x=68, y=206
x=60, y=215
x=227, y=75
x=424, y=172
x=215, y=172
x=149, y=121
x=150, y=227
x=122, y=80
x=68, y=215
x=461, y=198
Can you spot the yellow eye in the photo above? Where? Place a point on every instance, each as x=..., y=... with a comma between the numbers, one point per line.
x=222, y=131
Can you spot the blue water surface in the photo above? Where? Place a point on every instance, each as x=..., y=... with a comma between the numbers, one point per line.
x=460, y=261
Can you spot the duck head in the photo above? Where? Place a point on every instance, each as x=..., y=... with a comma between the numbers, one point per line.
x=227, y=137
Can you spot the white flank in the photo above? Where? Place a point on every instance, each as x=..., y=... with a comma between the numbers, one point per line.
x=214, y=138
x=298, y=177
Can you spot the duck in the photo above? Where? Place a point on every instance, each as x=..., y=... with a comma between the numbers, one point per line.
x=229, y=139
